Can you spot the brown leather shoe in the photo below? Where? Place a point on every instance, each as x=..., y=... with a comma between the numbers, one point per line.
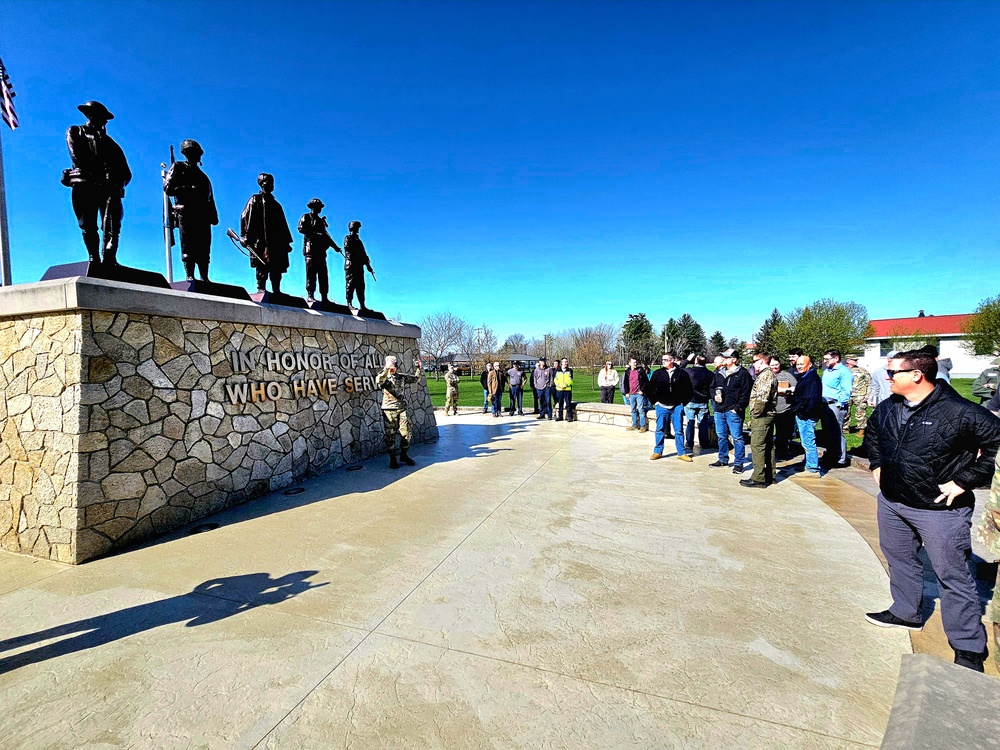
x=643, y=429
x=655, y=456
x=630, y=428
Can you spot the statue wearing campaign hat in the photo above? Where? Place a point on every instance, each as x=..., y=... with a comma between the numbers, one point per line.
x=194, y=208
x=98, y=178
x=316, y=240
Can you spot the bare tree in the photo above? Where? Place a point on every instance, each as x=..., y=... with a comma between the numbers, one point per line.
x=592, y=346
x=478, y=343
x=516, y=343
x=440, y=334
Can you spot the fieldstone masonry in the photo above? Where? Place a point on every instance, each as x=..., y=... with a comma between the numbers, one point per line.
x=121, y=423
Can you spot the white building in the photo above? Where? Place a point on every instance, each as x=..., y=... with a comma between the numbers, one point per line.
x=944, y=331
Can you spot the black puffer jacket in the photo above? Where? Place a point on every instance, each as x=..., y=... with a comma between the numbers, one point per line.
x=669, y=387
x=938, y=444
x=735, y=391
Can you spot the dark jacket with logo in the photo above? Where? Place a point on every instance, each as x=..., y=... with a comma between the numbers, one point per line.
x=669, y=387
x=735, y=391
x=701, y=383
x=935, y=443
x=807, y=398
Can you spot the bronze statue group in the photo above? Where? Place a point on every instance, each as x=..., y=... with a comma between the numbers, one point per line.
x=100, y=174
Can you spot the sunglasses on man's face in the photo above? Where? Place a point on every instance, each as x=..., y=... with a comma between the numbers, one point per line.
x=893, y=373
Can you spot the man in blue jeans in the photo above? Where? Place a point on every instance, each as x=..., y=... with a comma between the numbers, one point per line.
x=697, y=408
x=669, y=389
x=516, y=390
x=541, y=379
x=731, y=395
x=807, y=403
x=633, y=384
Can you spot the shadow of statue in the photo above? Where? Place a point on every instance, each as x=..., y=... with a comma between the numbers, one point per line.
x=208, y=602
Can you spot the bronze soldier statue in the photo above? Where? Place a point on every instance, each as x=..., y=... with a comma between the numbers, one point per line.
x=265, y=233
x=355, y=262
x=194, y=208
x=98, y=178
x=316, y=240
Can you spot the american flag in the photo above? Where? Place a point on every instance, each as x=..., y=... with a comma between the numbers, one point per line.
x=7, y=99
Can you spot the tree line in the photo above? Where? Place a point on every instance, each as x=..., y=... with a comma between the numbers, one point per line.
x=815, y=328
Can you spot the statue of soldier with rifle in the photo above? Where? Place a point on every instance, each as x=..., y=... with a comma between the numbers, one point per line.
x=264, y=232
x=194, y=211
x=355, y=262
x=316, y=240
x=98, y=178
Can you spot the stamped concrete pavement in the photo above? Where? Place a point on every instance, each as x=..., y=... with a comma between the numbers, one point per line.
x=528, y=584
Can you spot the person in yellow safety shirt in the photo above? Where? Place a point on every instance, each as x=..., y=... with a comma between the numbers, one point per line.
x=564, y=391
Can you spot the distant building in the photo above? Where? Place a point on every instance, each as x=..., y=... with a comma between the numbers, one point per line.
x=943, y=331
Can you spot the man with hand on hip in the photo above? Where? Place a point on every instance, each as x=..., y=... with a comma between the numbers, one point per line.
x=928, y=448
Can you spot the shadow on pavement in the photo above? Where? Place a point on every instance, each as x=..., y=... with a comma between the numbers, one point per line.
x=456, y=441
x=210, y=601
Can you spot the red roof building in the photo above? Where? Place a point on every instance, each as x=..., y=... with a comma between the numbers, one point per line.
x=931, y=325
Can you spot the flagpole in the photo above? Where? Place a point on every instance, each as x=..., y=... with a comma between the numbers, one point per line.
x=5, y=278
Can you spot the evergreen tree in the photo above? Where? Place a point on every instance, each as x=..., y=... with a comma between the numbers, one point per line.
x=716, y=345
x=765, y=341
x=694, y=333
x=638, y=340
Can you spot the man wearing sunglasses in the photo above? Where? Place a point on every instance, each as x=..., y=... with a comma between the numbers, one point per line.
x=928, y=447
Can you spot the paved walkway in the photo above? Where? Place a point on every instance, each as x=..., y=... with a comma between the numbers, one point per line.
x=528, y=584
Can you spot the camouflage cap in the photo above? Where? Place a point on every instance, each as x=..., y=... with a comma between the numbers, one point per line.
x=390, y=360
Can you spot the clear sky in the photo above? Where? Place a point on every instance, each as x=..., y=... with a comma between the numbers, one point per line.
x=540, y=166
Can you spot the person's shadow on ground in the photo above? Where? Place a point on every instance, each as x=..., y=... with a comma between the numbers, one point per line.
x=210, y=601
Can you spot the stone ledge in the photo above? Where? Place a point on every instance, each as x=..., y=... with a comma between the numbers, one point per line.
x=84, y=293
x=942, y=705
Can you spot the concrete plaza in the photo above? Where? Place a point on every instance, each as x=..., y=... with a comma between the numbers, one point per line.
x=528, y=584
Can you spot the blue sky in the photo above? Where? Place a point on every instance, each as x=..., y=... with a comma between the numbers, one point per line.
x=540, y=166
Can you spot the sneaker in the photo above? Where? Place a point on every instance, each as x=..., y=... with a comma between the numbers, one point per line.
x=887, y=619
x=717, y=464
x=686, y=457
x=971, y=659
x=737, y=469
x=655, y=456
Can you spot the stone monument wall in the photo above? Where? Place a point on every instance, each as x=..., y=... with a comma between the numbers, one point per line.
x=119, y=425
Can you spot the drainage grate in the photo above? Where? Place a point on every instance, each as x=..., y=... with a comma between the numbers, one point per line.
x=356, y=467
x=202, y=527
x=295, y=491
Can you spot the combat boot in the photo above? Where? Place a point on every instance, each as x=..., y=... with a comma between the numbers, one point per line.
x=393, y=463
x=189, y=270
x=405, y=458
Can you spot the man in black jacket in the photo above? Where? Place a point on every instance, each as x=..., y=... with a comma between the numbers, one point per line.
x=697, y=408
x=928, y=448
x=807, y=403
x=731, y=395
x=669, y=389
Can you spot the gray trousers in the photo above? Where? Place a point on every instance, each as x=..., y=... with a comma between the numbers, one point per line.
x=945, y=535
x=833, y=435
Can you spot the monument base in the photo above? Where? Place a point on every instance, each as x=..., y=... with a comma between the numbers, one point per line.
x=124, y=274
x=212, y=288
x=278, y=298
x=330, y=307
x=364, y=312
x=126, y=413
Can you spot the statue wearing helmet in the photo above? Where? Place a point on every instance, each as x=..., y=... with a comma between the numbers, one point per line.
x=194, y=208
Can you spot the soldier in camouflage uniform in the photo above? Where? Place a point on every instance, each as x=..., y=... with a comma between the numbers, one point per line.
x=763, y=402
x=859, y=395
x=985, y=386
x=394, y=417
x=451, y=379
x=988, y=533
